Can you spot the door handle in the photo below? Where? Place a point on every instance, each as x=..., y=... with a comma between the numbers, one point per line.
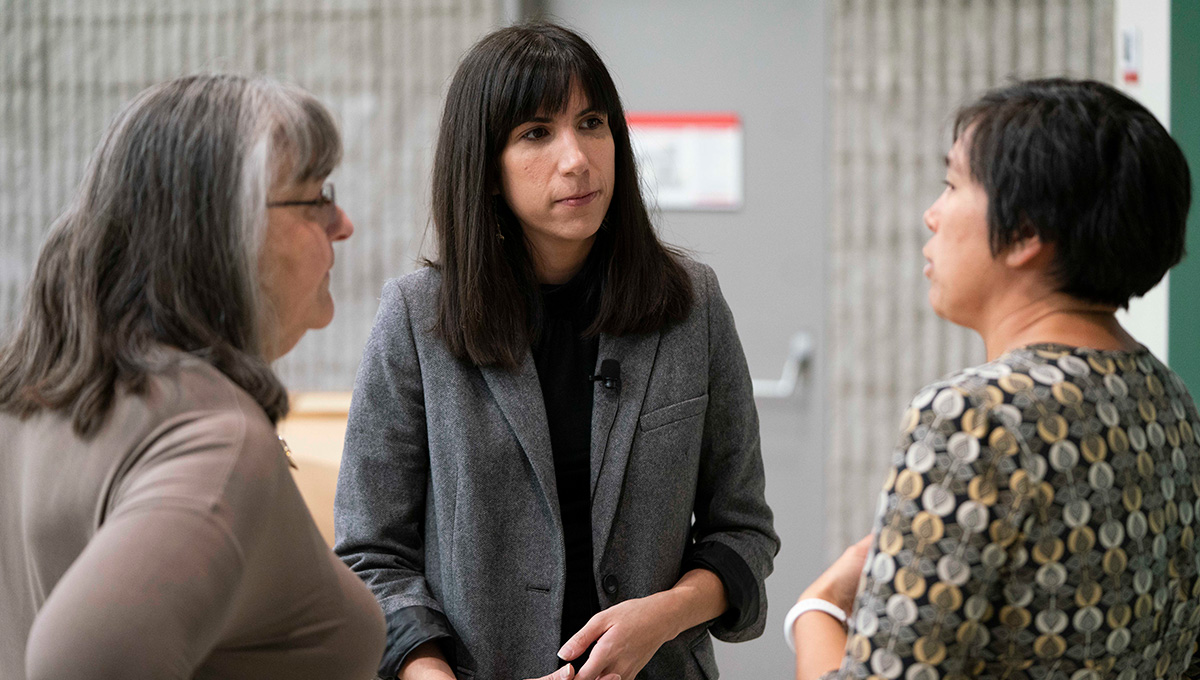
x=800, y=352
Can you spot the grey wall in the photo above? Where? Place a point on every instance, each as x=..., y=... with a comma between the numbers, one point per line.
x=765, y=61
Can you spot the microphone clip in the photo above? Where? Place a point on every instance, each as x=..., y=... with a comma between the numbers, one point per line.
x=609, y=375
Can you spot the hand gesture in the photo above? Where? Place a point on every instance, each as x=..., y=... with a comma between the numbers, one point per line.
x=626, y=635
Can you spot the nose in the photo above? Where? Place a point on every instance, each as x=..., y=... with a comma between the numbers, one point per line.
x=342, y=226
x=572, y=159
x=930, y=217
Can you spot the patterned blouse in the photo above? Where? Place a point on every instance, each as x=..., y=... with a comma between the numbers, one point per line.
x=1039, y=522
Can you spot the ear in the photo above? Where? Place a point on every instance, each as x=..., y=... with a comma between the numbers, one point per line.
x=1023, y=251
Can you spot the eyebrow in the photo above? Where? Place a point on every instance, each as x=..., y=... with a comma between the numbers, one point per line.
x=547, y=119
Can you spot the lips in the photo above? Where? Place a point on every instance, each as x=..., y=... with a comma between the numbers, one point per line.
x=579, y=199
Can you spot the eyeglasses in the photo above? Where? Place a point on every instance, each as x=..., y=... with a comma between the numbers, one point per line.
x=324, y=207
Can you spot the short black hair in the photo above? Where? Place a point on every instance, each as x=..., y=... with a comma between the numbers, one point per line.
x=1086, y=169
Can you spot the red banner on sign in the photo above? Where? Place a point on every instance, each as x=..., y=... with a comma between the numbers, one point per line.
x=677, y=120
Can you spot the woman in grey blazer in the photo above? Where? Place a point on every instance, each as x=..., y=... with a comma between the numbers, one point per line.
x=553, y=450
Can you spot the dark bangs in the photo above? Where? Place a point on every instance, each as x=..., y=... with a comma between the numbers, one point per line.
x=534, y=78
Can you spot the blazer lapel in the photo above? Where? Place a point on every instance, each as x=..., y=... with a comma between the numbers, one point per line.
x=614, y=422
x=519, y=396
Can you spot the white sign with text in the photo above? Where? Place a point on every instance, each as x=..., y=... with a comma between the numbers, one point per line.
x=689, y=161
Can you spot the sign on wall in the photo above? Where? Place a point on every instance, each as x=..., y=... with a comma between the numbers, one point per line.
x=689, y=161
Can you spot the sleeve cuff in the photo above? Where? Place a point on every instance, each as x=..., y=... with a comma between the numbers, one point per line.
x=741, y=588
x=409, y=628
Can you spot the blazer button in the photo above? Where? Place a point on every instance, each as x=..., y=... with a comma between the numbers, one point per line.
x=610, y=584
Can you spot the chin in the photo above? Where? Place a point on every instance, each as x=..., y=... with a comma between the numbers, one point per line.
x=935, y=303
x=324, y=320
x=951, y=314
x=324, y=310
x=582, y=232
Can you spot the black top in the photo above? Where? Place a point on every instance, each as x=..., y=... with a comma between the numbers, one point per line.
x=565, y=361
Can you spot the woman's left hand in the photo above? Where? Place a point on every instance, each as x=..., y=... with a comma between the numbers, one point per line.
x=626, y=636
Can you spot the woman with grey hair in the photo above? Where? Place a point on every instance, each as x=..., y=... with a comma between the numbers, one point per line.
x=148, y=522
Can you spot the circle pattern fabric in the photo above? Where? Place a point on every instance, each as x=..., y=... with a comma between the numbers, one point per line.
x=1039, y=522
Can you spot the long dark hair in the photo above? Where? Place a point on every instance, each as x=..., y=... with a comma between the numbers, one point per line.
x=160, y=247
x=488, y=303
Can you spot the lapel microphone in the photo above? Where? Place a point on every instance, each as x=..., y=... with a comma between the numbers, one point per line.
x=609, y=375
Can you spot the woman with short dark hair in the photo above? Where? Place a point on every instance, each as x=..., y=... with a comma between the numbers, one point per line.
x=553, y=444
x=149, y=524
x=1039, y=519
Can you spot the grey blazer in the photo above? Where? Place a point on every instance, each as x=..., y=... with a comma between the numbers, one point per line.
x=446, y=497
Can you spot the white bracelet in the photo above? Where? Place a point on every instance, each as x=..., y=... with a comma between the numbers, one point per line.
x=805, y=606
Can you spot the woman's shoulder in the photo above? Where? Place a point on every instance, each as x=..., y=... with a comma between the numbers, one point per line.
x=978, y=393
x=1045, y=379
x=427, y=279
x=188, y=405
x=190, y=435
x=700, y=275
x=416, y=292
x=702, y=279
x=199, y=394
x=188, y=384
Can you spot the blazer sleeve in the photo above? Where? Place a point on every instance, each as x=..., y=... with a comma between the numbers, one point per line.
x=379, y=507
x=731, y=507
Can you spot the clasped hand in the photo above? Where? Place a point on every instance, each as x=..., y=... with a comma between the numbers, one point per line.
x=626, y=635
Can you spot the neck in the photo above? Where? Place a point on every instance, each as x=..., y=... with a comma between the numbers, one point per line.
x=1054, y=318
x=277, y=344
x=556, y=263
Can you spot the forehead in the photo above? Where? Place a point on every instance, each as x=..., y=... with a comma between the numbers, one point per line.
x=956, y=158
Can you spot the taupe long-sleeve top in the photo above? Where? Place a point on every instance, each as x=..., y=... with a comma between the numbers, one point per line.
x=172, y=544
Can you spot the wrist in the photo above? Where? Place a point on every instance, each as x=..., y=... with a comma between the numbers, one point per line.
x=819, y=591
x=815, y=591
x=698, y=597
x=426, y=662
x=813, y=606
x=672, y=613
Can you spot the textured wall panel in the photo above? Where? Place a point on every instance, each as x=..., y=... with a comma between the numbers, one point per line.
x=66, y=67
x=899, y=70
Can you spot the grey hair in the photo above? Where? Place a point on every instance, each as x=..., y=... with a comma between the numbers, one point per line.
x=160, y=247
